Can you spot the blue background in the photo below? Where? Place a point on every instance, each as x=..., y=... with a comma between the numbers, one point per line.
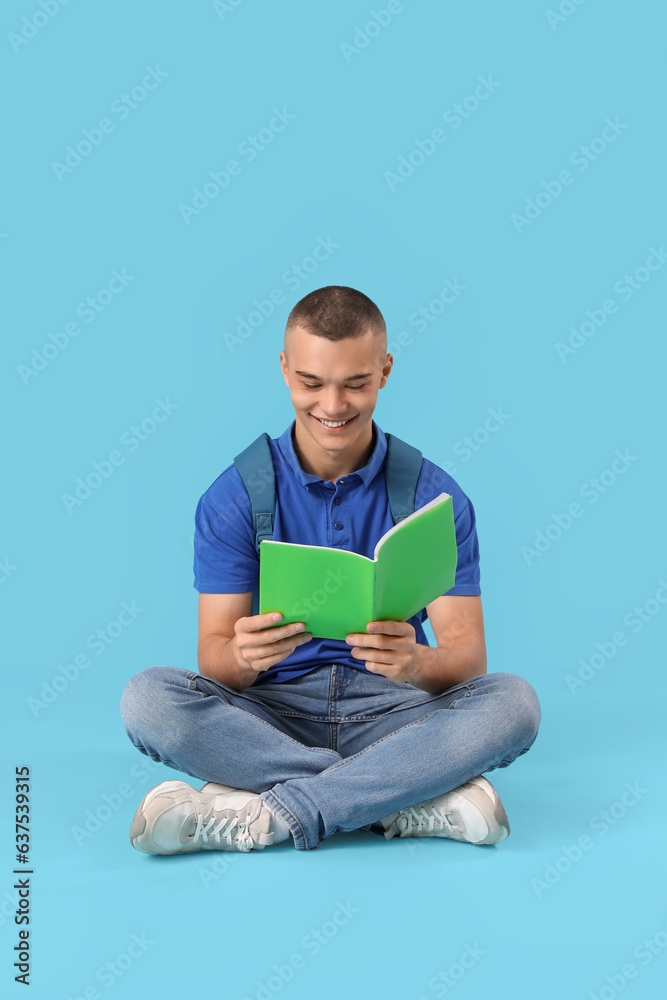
x=67, y=574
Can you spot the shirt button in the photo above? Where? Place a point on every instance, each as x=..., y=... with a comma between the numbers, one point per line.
x=337, y=524
x=337, y=500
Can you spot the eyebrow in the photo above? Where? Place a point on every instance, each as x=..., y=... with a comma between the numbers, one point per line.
x=352, y=378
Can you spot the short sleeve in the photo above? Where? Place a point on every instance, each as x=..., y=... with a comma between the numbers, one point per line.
x=466, y=582
x=432, y=482
x=225, y=561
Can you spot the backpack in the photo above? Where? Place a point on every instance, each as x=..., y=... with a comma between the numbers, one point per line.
x=402, y=467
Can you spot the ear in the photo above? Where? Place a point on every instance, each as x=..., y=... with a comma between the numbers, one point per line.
x=386, y=368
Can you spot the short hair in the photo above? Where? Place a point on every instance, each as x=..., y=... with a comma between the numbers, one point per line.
x=336, y=312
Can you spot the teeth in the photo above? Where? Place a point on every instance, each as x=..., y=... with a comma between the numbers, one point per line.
x=333, y=423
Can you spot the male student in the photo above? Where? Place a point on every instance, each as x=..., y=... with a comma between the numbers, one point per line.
x=298, y=737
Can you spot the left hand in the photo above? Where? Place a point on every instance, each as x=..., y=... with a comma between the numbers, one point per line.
x=388, y=648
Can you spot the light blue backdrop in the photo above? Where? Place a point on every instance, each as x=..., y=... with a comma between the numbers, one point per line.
x=515, y=151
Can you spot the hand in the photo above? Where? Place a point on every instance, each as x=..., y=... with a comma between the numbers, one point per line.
x=390, y=649
x=259, y=647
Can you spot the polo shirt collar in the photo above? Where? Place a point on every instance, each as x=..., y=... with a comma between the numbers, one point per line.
x=366, y=474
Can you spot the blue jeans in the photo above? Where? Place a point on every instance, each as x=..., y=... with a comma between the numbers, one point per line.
x=336, y=748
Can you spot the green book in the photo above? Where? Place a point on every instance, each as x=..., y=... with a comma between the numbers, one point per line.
x=335, y=591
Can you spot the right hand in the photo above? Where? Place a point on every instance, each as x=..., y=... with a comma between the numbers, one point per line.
x=259, y=647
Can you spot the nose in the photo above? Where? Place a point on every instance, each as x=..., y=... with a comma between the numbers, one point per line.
x=333, y=403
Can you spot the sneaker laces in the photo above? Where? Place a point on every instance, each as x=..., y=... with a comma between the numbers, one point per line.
x=421, y=816
x=244, y=839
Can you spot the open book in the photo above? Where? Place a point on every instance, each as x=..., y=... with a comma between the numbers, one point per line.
x=335, y=591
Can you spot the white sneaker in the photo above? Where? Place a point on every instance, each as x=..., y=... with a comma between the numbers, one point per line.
x=175, y=818
x=472, y=812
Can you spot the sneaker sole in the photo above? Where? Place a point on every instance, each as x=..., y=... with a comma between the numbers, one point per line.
x=498, y=823
x=139, y=821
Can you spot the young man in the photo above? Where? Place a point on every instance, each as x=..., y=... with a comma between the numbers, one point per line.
x=297, y=737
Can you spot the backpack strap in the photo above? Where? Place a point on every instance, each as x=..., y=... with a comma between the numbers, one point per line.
x=402, y=467
x=255, y=467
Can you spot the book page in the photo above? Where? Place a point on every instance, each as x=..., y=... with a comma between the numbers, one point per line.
x=417, y=563
x=406, y=520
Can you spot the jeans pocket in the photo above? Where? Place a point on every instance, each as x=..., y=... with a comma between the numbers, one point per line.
x=205, y=686
x=460, y=691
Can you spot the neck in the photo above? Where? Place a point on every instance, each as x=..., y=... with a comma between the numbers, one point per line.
x=317, y=462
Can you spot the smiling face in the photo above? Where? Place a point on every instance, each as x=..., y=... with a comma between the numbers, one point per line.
x=334, y=381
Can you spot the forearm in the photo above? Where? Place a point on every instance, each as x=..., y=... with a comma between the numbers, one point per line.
x=438, y=668
x=218, y=659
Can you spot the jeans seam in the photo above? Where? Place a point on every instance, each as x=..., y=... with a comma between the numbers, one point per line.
x=142, y=749
x=286, y=735
x=470, y=688
x=467, y=693
x=160, y=760
x=370, y=746
x=506, y=763
x=336, y=718
x=469, y=685
x=302, y=835
x=259, y=719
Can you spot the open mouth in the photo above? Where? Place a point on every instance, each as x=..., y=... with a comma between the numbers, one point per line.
x=334, y=426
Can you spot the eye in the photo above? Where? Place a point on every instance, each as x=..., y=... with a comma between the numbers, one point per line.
x=353, y=387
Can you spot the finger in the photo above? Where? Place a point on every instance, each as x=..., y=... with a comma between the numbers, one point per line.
x=277, y=649
x=371, y=641
x=369, y=655
x=255, y=622
x=363, y=639
x=280, y=645
x=275, y=652
x=259, y=623
x=388, y=669
x=389, y=627
x=379, y=628
x=291, y=631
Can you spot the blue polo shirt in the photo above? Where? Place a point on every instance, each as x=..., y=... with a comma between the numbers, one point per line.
x=351, y=514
